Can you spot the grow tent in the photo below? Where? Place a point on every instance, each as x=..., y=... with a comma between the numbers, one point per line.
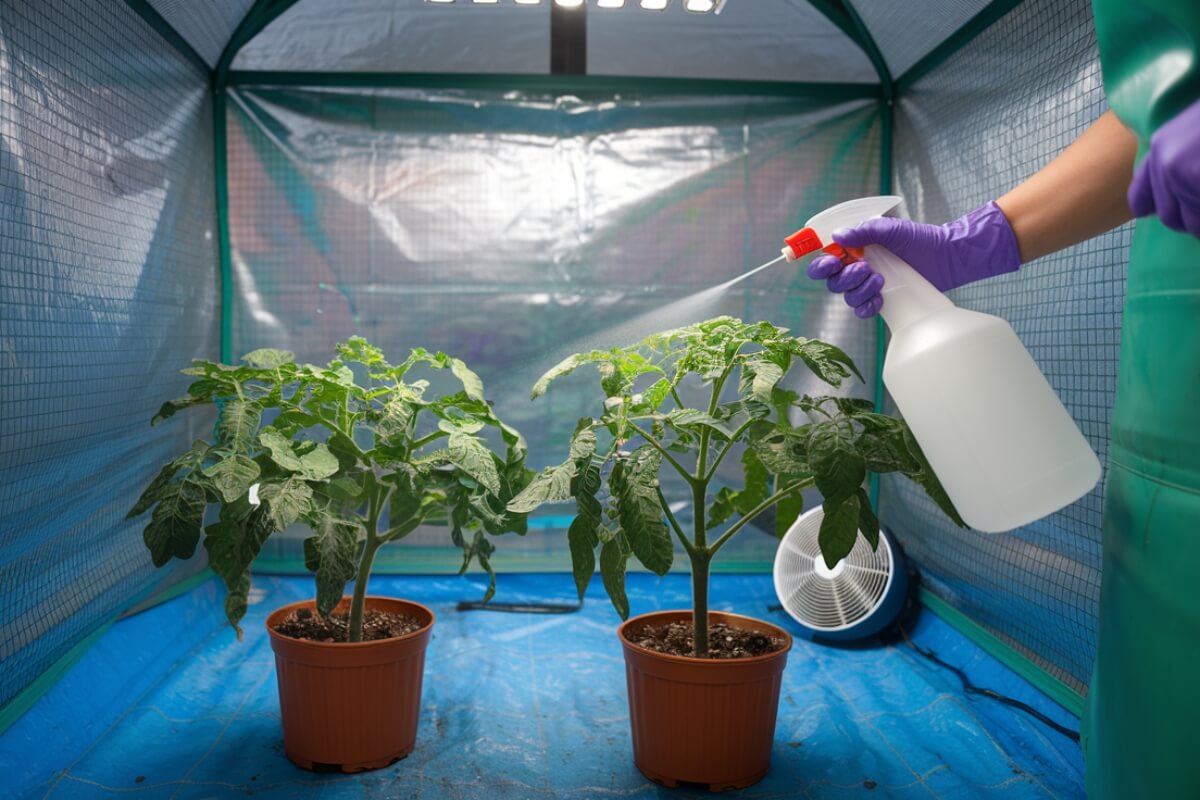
x=184, y=180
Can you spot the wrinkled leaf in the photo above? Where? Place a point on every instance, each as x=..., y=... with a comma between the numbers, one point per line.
x=638, y=510
x=472, y=385
x=472, y=456
x=868, y=523
x=232, y=476
x=174, y=529
x=553, y=485
x=237, y=424
x=331, y=553
x=319, y=463
x=836, y=464
x=267, y=358
x=286, y=501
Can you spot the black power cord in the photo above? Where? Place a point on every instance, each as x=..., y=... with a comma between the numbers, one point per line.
x=970, y=688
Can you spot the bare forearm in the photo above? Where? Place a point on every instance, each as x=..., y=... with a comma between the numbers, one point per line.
x=1078, y=195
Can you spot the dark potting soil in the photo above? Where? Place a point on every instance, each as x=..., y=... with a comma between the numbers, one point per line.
x=303, y=623
x=724, y=641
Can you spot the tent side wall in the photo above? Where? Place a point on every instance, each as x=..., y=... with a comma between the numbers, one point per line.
x=107, y=282
x=966, y=132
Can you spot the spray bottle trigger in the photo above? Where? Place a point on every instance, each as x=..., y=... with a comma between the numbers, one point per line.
x=848, y=255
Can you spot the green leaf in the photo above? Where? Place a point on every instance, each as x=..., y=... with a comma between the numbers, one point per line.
x=782, y=451
x=827, y=362
x=266, y=358
x=553, y=485
x=152, y=493
x=331, y=553
x=564, y=367
x=612, y=572
x=756, y=481
x=232, y=545
x=766, y=375
x=634, y=490
x=868, y=523
x=472, y=385
x=581, y=537
x=286, y=501
x=232, y=476
x=656, y=393
x=174, y=529
x=319, y=463
x=169, y=408
x=928, y=480
x=787, y=512
x=237, y=424
x=472, y=456
x=280, y=448
x=690, y=418
x=839, y=530
x=836, y=464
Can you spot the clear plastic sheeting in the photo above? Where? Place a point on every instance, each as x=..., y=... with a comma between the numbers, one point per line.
x=409, y=36
x=1037, y=588
x=771, y=40
x=511, y=229
x=107, y=288
x=906, y=32
x=206, y=26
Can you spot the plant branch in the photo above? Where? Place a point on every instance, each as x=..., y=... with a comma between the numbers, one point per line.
x=758, y=509
x=662, y=501
x=670, y=458
x=728, y=446
x=426, y=439
x=678, y=399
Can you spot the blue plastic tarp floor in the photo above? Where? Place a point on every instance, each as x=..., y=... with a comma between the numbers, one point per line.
x=168, y=704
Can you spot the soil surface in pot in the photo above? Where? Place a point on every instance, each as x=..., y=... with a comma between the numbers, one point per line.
x=724, y=641
x=303, y=623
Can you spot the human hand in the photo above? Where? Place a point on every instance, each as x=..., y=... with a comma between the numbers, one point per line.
x=973, y=247
x=1167, y=183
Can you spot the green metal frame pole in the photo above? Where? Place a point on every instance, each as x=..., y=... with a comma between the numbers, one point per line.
x=260, y=15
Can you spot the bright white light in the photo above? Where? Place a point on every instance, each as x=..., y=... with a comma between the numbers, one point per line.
x=439, y=1
x=528, y=2
x=610, y=3
x=655, y=5
x=700, y=6
x=569, y=3
x=485, y=2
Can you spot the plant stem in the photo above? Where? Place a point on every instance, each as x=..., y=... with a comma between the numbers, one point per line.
x=687, y=476
x=758, y=509
x=700, y=563
x=370, y=547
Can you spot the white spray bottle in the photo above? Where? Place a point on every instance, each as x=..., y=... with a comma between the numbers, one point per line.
x=998, y=438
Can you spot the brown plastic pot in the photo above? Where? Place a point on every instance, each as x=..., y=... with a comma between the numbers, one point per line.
x=350, y=707
x=702, y=720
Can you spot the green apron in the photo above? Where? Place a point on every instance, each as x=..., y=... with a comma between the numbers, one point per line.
x=1140, y=734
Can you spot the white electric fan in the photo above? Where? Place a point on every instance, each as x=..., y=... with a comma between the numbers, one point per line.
x=859, y=597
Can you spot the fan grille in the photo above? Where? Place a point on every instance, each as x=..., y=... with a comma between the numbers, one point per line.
x=823, y=599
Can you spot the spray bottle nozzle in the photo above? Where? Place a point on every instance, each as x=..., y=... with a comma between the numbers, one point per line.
x=806, y=240
x=800, y=244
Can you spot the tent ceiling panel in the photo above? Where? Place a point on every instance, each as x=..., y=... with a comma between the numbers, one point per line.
x=782, y=40
x=906, y=33
x=206, y=26
x=762, y=40
x=403, y=36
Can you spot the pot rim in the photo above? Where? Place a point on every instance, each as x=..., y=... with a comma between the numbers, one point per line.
x=312, y=602
x=715, y=663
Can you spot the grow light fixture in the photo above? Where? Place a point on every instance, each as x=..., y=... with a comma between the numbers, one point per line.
x=699, y=6
x=655, y=5
x=610, y=3
x=569, y=3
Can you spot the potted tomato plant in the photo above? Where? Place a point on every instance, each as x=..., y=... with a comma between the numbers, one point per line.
x=362, y=454
x=704, y=686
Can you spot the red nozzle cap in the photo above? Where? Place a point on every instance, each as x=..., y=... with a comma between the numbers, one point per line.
x=801, y=243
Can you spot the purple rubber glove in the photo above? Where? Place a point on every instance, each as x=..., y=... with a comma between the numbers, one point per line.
x=977, y=246
x=1168, y=181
